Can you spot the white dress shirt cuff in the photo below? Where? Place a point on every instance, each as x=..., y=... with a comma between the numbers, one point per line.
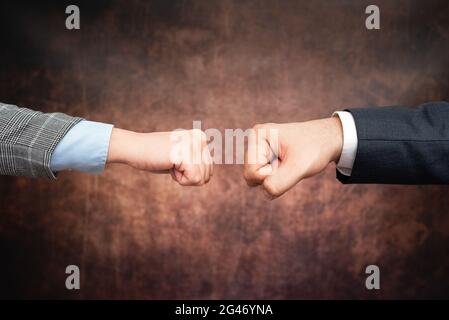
x=350, y=142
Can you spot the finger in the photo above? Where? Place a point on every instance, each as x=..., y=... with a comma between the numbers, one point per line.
x=205, y=162
x=207, y=165
x=211, y=166
x=203, y=153
x=180, y=177
x=194, y=175
x=173, y=174
x=203, y=170
x=281, y=180
x=201, y=173
x=204, y=174
x=211, y=162
x=211, y=158
x=197, y=169
x=257, y=162
x=207, y=176
x=251, y=164
x=185, y=175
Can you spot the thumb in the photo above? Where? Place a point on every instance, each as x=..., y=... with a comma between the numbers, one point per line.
x=282, y=179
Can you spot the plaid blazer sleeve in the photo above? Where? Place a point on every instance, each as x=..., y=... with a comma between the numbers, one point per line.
x=28, y=139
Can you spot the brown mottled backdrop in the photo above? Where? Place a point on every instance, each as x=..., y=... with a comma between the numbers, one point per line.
x=158, y=65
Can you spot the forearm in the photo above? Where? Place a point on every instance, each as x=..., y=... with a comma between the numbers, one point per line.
x=121, y=144
x=143, y=151
x=28, y=139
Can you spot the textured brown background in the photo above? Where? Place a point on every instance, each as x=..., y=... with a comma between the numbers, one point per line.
x=158, y=65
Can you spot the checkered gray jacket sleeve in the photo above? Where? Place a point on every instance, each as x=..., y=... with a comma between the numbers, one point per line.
x=28, y=139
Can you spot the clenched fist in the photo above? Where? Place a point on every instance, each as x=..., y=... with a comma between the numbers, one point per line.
x=184, y=154
x=278, y=156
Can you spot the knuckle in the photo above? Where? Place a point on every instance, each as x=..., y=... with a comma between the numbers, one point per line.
x=272, y=189
x=248, y=174
x=196, y=179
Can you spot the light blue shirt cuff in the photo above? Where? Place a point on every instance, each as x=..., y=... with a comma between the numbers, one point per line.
x=84, y=148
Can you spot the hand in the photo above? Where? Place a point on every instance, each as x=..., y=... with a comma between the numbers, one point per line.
x=183, y=154
x=291, y=152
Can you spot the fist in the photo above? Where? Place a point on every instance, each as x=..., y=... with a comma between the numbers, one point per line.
x=278, y=156
x=190, y=158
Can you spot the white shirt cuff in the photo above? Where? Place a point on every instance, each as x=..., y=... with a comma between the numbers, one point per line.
x=350, y=142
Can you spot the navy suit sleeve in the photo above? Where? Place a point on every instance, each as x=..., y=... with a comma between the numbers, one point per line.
x=399, y=145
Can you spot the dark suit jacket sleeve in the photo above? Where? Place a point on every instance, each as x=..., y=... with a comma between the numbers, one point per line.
x=399, y=145
x=28, y=139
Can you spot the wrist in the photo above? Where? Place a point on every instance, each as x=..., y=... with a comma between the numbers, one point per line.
x=121, y=145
